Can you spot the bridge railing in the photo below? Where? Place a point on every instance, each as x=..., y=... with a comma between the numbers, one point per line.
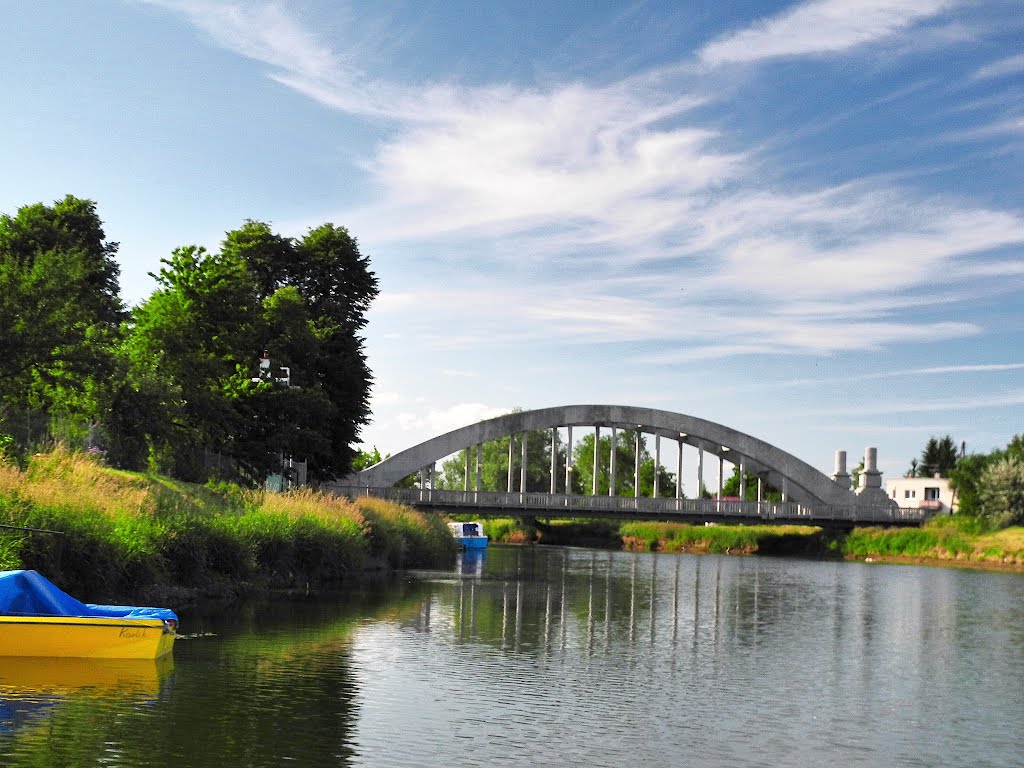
x=708, y=508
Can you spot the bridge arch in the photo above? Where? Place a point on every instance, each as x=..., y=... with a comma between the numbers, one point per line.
x=804, y=484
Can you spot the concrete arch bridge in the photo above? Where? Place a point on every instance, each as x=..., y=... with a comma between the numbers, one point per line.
x=808, y=496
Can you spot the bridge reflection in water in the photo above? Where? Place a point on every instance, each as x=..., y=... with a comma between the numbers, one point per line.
x=551, y=601
x=554, y=505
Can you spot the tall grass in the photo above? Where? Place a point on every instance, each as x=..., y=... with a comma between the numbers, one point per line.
x=722, y=539
x=118, y=533
x=956, y=537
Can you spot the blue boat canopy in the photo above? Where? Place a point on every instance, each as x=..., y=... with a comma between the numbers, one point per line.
x=27, y=593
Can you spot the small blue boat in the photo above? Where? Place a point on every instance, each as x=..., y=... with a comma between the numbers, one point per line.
x=469, y=535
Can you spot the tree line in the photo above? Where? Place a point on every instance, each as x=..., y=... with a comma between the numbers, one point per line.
x=162, y=385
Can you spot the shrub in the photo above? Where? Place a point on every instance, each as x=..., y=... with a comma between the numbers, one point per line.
x=1001, y=493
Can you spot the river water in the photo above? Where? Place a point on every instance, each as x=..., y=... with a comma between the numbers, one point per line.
x=559, y=656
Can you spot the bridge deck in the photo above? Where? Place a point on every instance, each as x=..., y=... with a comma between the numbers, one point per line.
x=491, y=504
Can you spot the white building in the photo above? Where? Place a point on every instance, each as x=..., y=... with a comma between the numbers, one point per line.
x=932, y=493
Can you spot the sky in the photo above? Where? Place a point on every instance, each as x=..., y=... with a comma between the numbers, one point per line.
x=803, y=220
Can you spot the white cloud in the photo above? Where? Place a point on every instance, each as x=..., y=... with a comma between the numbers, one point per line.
x=820, y=27
x=438, y=421
x=1011, y=65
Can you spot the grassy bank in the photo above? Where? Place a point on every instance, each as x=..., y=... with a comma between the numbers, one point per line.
x=124, y=534
x=943, y=540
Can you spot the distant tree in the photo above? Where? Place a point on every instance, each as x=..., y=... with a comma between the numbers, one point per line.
x=625, y=467
x=912, y=472
x=855, y=474
x=1001, y=493
x=494, y=466
x=731, y=487
x=366, y=459
x=968, y=476
x=938, y=457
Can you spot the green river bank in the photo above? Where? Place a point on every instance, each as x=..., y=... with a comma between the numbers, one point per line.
x=106, y=535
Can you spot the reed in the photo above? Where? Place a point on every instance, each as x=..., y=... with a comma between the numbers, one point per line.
x=121, y=533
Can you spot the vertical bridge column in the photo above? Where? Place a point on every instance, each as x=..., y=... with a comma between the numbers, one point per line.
x=479, y=465
x=554, y=460
x=636, y=465
x=568, y=462
x=522, y=467
x=721, y=463
x=597, y=459
x=511, y=443
x=679, y=468
x=657, y=465
x=611, y=463
x=700, y=467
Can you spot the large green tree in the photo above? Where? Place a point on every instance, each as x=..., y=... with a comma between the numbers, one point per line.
x=59, y=310
x=302, y=303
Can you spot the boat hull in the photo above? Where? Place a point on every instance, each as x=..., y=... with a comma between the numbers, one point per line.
x=472, y=542
x=84, y=637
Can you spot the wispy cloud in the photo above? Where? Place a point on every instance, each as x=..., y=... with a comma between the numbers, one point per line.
x=973, y=403
x=623, y=177
x=261, y=31
x=1011, y=65
x=820, y=27
x=903, y=373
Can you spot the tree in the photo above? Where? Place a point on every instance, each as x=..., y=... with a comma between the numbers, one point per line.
x=731, y=487
x=855, y=474
x=938, y=457
x=59, y=309
x=968, y=476
x=494, y=474
x=625, y=467
x=965, y=479
x=1001, y=493
x=301, y=302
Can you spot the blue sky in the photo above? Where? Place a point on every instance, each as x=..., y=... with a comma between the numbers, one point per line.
x=803, y=220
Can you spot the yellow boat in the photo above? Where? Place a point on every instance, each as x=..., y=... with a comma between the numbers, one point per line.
x=37, y=619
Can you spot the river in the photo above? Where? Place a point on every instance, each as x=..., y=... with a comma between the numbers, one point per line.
x=562, y=656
